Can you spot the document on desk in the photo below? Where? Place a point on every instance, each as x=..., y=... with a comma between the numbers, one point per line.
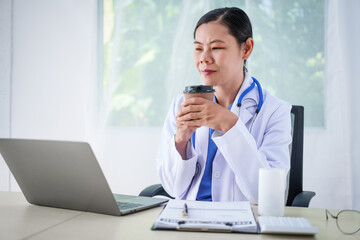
x=207, y=216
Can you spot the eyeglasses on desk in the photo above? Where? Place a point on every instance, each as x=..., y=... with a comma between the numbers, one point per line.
x=347, y=221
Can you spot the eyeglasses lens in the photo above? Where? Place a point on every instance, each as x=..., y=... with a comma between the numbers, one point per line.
x=349, y=221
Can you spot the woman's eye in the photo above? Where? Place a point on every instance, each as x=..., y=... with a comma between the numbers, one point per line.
x=217, y=48
x=197, y=49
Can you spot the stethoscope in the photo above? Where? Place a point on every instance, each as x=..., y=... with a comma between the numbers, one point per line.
x=261, y=101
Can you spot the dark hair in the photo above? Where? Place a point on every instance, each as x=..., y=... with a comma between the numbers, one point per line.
x=234, y=19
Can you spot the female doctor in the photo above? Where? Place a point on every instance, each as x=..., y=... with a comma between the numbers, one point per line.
x=212, y=150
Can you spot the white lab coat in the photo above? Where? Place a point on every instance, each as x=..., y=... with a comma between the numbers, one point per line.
x=240, y=153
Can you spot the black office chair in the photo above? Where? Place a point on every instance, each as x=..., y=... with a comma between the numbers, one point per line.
x=296, y=196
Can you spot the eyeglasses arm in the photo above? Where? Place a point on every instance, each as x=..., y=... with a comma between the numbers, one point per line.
x=329, y=213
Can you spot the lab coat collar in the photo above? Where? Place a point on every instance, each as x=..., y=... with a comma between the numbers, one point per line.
x=250, y=100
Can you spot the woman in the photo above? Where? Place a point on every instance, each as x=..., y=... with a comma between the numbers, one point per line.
x=231, y=141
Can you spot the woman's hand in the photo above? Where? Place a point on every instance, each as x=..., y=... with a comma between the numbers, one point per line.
x=196, y=112
x=183, y=134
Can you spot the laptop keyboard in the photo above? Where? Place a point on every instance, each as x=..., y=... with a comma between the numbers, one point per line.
x=128, y=205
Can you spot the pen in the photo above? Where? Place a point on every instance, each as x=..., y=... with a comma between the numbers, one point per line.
x=185, y=212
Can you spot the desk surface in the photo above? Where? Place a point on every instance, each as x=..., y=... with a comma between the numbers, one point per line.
x=19, y=220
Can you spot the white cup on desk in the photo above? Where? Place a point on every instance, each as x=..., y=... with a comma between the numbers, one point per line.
x=271, y=196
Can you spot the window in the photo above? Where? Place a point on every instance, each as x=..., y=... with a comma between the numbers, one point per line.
x=148, y=55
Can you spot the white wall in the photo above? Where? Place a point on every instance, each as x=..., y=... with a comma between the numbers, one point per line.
x=54, y=64
x=53, y=67
x=5, y=81
x=128, y=160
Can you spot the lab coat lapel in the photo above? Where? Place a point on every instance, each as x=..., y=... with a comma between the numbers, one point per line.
x=245, y=115
x=249, y=106
x=202, y=140
x=249, y=102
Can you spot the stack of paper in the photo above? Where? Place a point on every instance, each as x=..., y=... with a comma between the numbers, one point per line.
x=207, y=216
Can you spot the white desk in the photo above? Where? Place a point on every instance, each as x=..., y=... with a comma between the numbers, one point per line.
x=21, y=220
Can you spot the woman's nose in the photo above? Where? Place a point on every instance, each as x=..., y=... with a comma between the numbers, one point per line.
x=206, y=58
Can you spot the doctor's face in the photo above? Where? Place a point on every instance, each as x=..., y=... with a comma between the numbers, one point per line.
x=217, y=55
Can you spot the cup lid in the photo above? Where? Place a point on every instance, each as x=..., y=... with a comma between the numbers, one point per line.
x=199, y=89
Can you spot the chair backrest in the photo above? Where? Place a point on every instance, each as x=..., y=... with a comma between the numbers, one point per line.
x=296, y=153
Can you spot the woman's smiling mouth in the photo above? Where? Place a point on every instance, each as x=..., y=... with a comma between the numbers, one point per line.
x=207, y=71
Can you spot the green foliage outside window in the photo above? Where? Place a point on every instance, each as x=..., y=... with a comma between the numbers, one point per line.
x=138, y=44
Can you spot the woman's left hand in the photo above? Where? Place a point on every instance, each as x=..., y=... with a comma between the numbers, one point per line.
x=198, y=111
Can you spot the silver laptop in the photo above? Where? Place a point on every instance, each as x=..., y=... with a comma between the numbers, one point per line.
x=67, y=175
